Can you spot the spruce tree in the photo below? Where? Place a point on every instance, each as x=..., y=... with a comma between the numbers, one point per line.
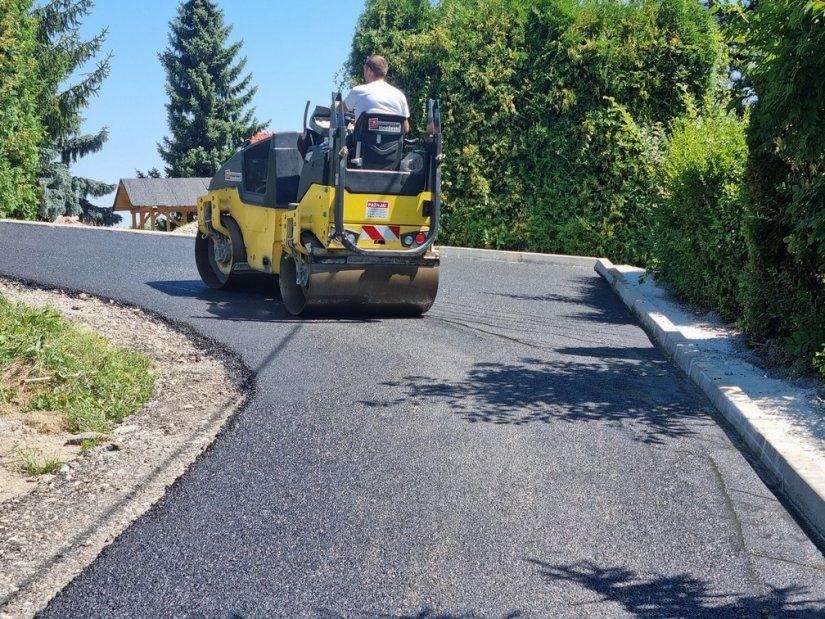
x=20, y=131
x=61, y=53
x=208, y=110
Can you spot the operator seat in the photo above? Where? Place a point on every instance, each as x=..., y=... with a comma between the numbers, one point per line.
x=379, y=141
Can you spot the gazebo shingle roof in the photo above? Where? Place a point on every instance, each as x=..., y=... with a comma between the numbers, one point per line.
x=164, y=192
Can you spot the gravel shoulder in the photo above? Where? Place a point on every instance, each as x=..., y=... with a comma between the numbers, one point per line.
x=53, y=527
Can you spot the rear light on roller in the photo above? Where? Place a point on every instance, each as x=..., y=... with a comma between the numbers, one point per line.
x=414, y=238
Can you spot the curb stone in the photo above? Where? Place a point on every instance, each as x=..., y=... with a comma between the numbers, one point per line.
x=515, y=256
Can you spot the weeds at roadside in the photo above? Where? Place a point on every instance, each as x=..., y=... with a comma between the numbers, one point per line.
x=47, y=364
x=33, y=462
x=90, y=443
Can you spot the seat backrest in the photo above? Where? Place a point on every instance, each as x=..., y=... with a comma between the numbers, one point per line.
x=379, y=141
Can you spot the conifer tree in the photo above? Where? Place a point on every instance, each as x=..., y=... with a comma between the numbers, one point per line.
x=20, y=131
x=61, y=52
x=208, y=111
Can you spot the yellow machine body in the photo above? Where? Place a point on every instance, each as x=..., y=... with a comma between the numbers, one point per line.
x=335, y=247
x=267, y=232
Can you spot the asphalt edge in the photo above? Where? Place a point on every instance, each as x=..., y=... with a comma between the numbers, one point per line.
x=49, y=224
x=800, y=479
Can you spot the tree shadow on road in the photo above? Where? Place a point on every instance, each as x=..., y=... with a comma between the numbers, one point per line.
x=680, y=596
x=645, y=394
x=592, y=300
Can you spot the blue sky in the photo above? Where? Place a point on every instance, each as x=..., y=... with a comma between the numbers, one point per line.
x=294, y=51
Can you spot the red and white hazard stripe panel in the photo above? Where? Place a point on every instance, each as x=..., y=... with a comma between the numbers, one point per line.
x=382, y=233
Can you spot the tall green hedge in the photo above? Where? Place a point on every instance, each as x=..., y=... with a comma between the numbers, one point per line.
x=20, y=130
x=606, y=78
x=699, y=236
x=785, y=284
x=553, y=110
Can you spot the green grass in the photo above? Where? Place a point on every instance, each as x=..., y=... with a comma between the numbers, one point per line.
x=34, y=463
x=46, y=364
x=91, y=443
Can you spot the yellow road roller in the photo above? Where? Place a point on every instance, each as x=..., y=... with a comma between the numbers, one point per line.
x=344, y=213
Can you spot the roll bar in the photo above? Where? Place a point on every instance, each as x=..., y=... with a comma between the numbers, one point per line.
x=338, y=172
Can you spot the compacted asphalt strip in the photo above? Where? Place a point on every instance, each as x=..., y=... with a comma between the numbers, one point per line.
x=785, y=431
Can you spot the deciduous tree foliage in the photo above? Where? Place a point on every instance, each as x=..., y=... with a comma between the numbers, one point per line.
x=208, y=109
x=735, y=19
x=62, y=55
x=20, y=130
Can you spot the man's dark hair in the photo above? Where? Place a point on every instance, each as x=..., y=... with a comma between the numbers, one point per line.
x=377, y=64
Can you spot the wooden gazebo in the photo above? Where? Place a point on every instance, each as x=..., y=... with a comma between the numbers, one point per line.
x=150, y=198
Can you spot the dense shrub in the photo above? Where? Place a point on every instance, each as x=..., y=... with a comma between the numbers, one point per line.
x=785, y=290
x=699, y=239
x=606, y=78
x=598, y=188
x=20, y=131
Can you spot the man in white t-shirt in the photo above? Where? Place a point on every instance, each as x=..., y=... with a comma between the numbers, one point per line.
x=375, y=95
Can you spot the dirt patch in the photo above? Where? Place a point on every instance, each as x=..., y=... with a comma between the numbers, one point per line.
x=42, y=422
x=68, y=220
x=37, y=435
x=53, y=526
x=190, y=229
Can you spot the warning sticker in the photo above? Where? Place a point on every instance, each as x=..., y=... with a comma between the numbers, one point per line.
x=378, y=209
x=229, y=175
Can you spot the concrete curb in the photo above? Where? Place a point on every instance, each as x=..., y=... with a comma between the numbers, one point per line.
x=515, y=256
x=800, y=478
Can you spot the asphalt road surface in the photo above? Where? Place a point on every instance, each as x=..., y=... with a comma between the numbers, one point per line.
x=521, y=451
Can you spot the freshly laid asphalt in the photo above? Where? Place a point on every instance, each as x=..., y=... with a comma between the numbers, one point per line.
x=780, y=420
x=524, y=450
